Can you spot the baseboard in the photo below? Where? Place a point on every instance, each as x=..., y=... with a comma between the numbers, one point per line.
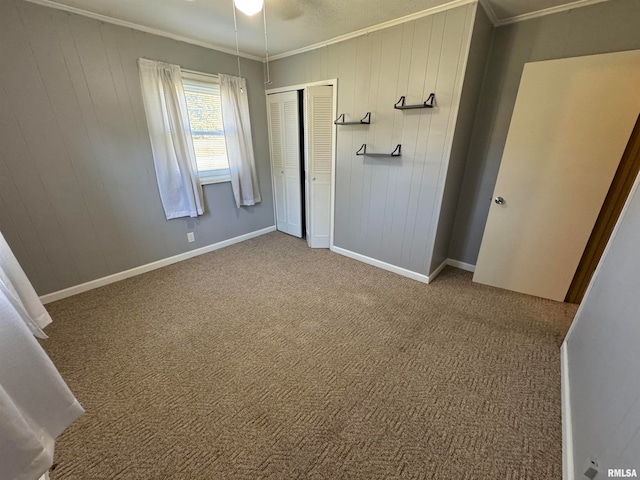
x=100, y=282
x=453, y=263
x=380, y=264
x=435, y=273
x=463, y=266
x=567, y=431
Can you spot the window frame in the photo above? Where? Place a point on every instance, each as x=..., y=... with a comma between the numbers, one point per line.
x=223, y=175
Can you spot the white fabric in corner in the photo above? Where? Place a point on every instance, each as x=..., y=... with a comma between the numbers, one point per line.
x=237, y=134
x=35, y=403
x=174, y=157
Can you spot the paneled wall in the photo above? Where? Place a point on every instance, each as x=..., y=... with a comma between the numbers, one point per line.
x=474, y=74
x=386, y=208
x=78, y=192
x=600, y=28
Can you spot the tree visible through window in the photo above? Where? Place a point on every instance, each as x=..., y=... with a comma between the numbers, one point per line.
x=205, y=116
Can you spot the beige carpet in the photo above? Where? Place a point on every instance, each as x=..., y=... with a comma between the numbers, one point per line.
x=271, y=360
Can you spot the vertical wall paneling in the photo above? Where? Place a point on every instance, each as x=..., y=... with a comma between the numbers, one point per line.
x=473, y=73
x=98, y=76
x=427, y=32
x=31, y=135
x=397, y=182
x=147, y=238
x=346, y=74
x=367, y=173
x=78, y=192
x=84, y=137
x=450, y=79
x=387, y=208
x=381, y=141
x=14, y=212
x=427, y=150
x=357, y=134
x=87, y=244
x=333, y=61
x=10, y=210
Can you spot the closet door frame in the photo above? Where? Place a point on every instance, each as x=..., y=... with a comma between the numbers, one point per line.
x=334, y=83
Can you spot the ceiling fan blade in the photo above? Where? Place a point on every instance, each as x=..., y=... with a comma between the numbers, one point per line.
x=288, y=9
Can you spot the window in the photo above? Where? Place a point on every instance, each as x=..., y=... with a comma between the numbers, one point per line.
x=205, y=116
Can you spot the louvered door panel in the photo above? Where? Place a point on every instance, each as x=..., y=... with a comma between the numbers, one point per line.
x=319, y=102
x=284, y=145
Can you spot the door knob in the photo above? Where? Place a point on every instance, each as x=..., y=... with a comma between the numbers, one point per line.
x=313, y=178
x=499, y=200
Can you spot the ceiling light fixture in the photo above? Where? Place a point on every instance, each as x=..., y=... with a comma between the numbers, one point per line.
x=249, y=7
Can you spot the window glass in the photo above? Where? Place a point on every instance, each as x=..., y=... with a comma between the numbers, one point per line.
x=205, y=117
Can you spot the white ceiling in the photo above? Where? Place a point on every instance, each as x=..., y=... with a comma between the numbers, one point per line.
x=291, y=24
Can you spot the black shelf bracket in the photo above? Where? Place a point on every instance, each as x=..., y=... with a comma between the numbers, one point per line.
x=366, y=120
x=428, y=103
x=363, y=151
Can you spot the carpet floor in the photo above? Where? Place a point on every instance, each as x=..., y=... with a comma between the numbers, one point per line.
x=268, y=359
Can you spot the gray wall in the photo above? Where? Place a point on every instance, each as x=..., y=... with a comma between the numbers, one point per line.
x=600, y=28
x=78, y=193
x=385, y=207
x=603, y=356
x=476, y=66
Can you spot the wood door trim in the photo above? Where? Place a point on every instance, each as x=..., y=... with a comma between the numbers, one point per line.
x=608, y=217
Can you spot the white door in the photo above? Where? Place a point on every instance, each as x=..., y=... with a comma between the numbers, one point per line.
x=319, y=130
x=284, y=146
x=570, y=125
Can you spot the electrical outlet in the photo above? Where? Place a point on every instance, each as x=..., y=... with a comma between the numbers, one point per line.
x=191, y=237
x=592, y=469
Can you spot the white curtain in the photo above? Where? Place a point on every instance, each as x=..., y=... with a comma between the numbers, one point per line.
x=16, y=288
x=35, y=403
x=165, y=106
x=237, y=134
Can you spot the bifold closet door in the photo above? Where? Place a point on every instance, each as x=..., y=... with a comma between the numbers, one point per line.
x=284, y=146
x=320, y=128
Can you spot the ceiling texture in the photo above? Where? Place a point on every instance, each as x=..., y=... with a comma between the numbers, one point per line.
x=291, y=24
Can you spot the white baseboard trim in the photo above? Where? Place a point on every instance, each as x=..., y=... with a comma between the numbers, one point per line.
x=435, y=273
x=403, y=271
x=567, y=431
x=380, y=264
x=100, y=282
x=461, y=265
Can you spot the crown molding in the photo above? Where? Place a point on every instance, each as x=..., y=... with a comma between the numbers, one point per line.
x=547, y=11
x=142, y=28
x=486, y=5
x=488, y=9
x=380, y=26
